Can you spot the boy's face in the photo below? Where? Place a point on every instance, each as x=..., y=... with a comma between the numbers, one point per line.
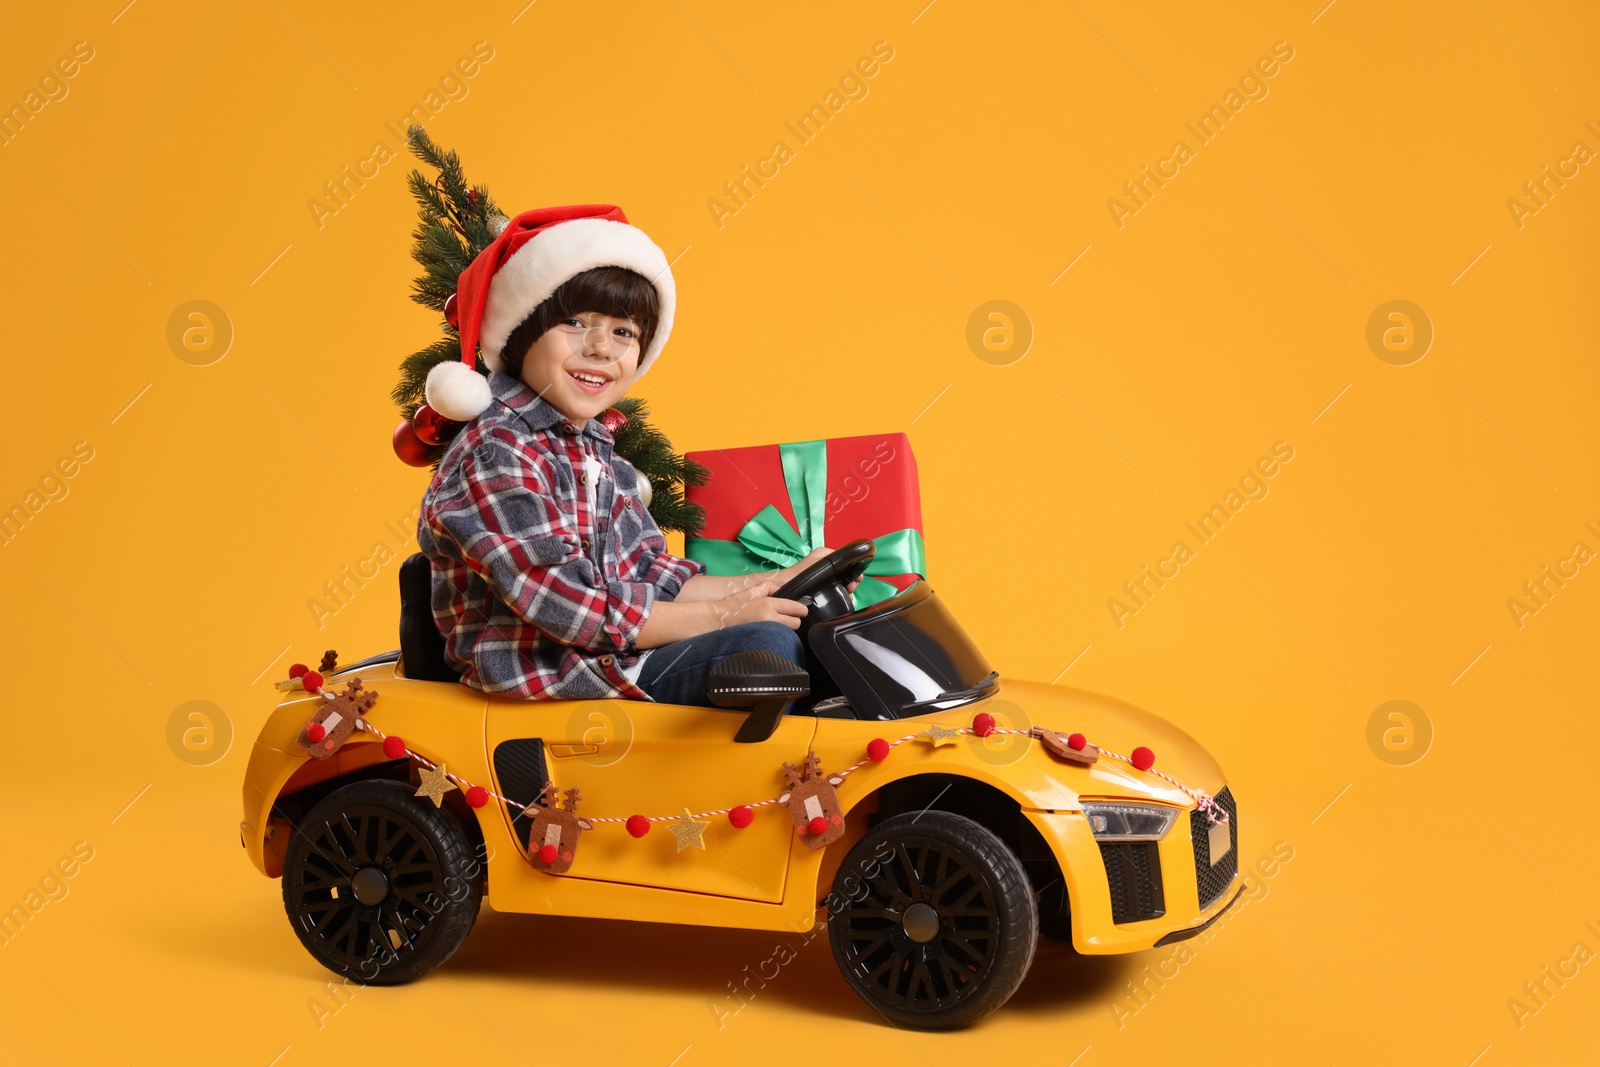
x=584, y=364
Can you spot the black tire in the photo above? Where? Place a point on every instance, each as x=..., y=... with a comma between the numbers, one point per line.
x=406, y=918
x=932, y=920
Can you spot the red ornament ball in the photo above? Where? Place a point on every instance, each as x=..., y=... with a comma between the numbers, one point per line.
x=741, y=816
x=983, y=724
x=394, y=747
x=430, y=426
x=312, y=680
x=638, y=825
x=297, y=669
x=819, y=825
x=877, y=750
x=1076, y=742
x=411, y=449
x=450, y=312
x=613, y=420
x=477, y=796
x=1143, y=758
x=548, y=854
x=316, y=731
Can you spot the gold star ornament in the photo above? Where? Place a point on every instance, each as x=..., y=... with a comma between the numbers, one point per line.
x=939, y=735
x=435, y=784
x=689, y=831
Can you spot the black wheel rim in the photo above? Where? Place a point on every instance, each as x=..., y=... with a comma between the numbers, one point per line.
x=881, y=956
x=365, y=938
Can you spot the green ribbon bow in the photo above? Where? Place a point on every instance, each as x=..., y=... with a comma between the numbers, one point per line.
x=768, y=539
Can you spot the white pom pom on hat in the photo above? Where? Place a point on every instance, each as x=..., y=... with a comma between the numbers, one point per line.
x=534, y=255
x=457, y=392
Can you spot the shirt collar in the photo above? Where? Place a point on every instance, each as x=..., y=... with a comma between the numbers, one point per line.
x=535, y=411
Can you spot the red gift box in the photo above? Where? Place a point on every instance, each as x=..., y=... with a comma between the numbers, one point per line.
x=768, y=506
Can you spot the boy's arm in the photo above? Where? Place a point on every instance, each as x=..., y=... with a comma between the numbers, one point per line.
x=507, y=528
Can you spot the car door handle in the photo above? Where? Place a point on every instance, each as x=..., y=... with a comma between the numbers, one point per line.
x=563, y=751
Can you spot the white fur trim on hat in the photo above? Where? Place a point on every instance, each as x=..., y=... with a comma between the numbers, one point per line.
x=456, y=391
x=555, y=255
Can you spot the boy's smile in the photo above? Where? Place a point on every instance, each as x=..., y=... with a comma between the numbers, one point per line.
x=583, y=364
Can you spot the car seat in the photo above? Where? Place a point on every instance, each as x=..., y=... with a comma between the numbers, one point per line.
x=421, y=643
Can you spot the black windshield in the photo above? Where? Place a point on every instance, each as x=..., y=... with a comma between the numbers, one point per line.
x=904, y=651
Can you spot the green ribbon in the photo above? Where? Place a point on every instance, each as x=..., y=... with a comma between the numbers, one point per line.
x=767, y=539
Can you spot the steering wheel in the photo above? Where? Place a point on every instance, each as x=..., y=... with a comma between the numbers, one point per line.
x=840, y=567
x=821, y=586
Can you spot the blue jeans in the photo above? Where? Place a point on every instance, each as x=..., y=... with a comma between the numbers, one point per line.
x=676, y=673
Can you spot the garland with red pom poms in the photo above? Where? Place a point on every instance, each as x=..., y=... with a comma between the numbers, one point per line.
x=809, y=795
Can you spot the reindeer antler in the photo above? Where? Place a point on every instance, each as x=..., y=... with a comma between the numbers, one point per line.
x=547, y=795
x=811, y=766
x=791, y=775
x=572, y=800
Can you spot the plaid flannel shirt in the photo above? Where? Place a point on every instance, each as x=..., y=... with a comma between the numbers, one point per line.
x=534, y=595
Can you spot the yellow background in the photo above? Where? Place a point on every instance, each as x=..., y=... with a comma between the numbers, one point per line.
x=1225, y=316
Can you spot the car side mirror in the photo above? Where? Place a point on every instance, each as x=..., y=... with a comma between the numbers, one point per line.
x=762, y=681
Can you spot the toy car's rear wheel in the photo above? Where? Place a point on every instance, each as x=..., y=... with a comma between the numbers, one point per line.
x=932, y=920
x=380, y=886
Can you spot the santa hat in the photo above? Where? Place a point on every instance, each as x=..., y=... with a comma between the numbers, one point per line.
x=531, y=257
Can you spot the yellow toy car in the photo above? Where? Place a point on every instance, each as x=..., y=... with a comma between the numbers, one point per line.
x=937, y=818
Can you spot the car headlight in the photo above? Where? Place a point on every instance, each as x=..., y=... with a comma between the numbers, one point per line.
x=1129, y=822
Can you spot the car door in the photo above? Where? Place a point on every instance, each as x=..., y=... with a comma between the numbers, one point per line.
x=657, y=760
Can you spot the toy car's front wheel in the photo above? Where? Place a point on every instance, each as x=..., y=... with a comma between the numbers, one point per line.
x=380, y=886
x=932, y=920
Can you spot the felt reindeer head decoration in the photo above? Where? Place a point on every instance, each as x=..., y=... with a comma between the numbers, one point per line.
x=335, y=720
x=813, y=802
x=553, y=840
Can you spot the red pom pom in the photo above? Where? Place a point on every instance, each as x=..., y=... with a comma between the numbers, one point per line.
x=983, y=724
x=741, y=816
x=819, y=825
x=297, y=669
x=638, y=825
x=1076, y=742
x=548, y=854
x=477, y=796
x=394, y=747
x=316, y=731
x=312, y=681
x=1143, y=758
x=877, y=750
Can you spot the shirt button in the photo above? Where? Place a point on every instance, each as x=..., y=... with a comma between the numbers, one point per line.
x=585, y=544
x=569, y=428
x=627, y=502
x=583, y=479
x=605, y=661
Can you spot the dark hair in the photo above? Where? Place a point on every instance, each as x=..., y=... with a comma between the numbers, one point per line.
x=615, y=291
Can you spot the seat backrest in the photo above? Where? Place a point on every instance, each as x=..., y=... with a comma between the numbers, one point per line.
x=421, y=643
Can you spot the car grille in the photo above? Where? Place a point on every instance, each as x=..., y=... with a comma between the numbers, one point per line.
x=1211, y=881
x=1133, y=870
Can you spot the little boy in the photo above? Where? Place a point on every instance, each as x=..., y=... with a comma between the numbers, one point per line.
x=550, y=578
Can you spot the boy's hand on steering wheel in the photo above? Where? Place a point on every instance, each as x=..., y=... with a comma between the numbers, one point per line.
x=811, y=557
x=757, y=604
